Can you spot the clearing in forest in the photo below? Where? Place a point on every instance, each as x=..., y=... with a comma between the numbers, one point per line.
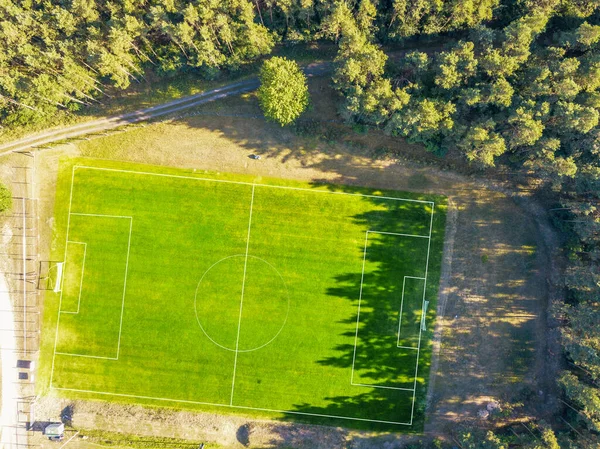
x=227, y=293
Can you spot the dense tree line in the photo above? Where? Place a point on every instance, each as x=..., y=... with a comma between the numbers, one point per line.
x=58, y=54
x=64, y=54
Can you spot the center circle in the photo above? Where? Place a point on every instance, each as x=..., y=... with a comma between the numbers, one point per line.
x=241, y=303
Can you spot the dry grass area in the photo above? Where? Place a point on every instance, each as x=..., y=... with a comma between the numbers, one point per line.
x=495, y=283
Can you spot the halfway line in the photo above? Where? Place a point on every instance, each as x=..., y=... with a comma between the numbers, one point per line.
x=237, y=342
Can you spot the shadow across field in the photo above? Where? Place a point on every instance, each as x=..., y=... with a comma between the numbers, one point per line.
x=375, y=358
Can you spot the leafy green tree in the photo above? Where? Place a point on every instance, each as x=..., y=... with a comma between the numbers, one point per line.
x=359, y=68
x=482, y=144
x=423, y=120
x=283, y=93
x=410, y=17
x=581, y=338
x=523, y=128
x=456, y=67
x=479, y=440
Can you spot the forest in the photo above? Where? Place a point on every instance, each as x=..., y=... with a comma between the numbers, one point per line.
x=514, y=82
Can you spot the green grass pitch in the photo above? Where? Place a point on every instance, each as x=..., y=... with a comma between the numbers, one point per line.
x=240, y=295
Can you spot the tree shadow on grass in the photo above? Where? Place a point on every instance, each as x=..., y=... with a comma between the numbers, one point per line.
x=382, y=373
x=377, y=359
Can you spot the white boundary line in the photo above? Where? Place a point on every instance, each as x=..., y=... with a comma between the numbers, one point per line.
x=401, y=307
x=382, y=386
x=72, y=354
x=101, y=215
x=185, y=401
x=412, y=412
x=401, y=235
x=224, y=405
x=196, y=178
x=237, y=341
x=82, y=273
x=60, y=296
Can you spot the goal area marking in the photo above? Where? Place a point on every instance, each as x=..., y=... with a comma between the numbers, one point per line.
x=398, y=345
x=230, y=403
x=63, y=272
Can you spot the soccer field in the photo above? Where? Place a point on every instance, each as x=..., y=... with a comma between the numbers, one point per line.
x=241, y=295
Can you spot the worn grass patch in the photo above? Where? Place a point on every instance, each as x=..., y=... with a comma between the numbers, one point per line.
x=223, y=292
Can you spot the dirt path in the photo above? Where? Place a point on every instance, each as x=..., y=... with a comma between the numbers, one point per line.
x=181, y=104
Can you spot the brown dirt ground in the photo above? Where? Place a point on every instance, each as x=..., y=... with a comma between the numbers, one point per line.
x=497, y=281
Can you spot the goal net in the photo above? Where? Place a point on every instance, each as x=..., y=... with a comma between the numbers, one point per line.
x=50, y=275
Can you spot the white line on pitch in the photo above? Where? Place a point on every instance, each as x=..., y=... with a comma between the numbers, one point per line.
x=412, y=412
x=184, y=401
x=401, y=307
x=402, y=235
x=383, y=386
x=362, y=277
x=61, y=290
x=72, y=354
x=164, y=175
x=124, y=287
x=100, y=215
x=81, y=283
x=82, y=276
x=237, y=341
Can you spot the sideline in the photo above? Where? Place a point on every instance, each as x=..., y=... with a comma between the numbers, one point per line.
x=9, y=409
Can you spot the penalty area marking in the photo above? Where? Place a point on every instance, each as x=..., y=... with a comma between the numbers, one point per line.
x=72, y=354
x=418, y=348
